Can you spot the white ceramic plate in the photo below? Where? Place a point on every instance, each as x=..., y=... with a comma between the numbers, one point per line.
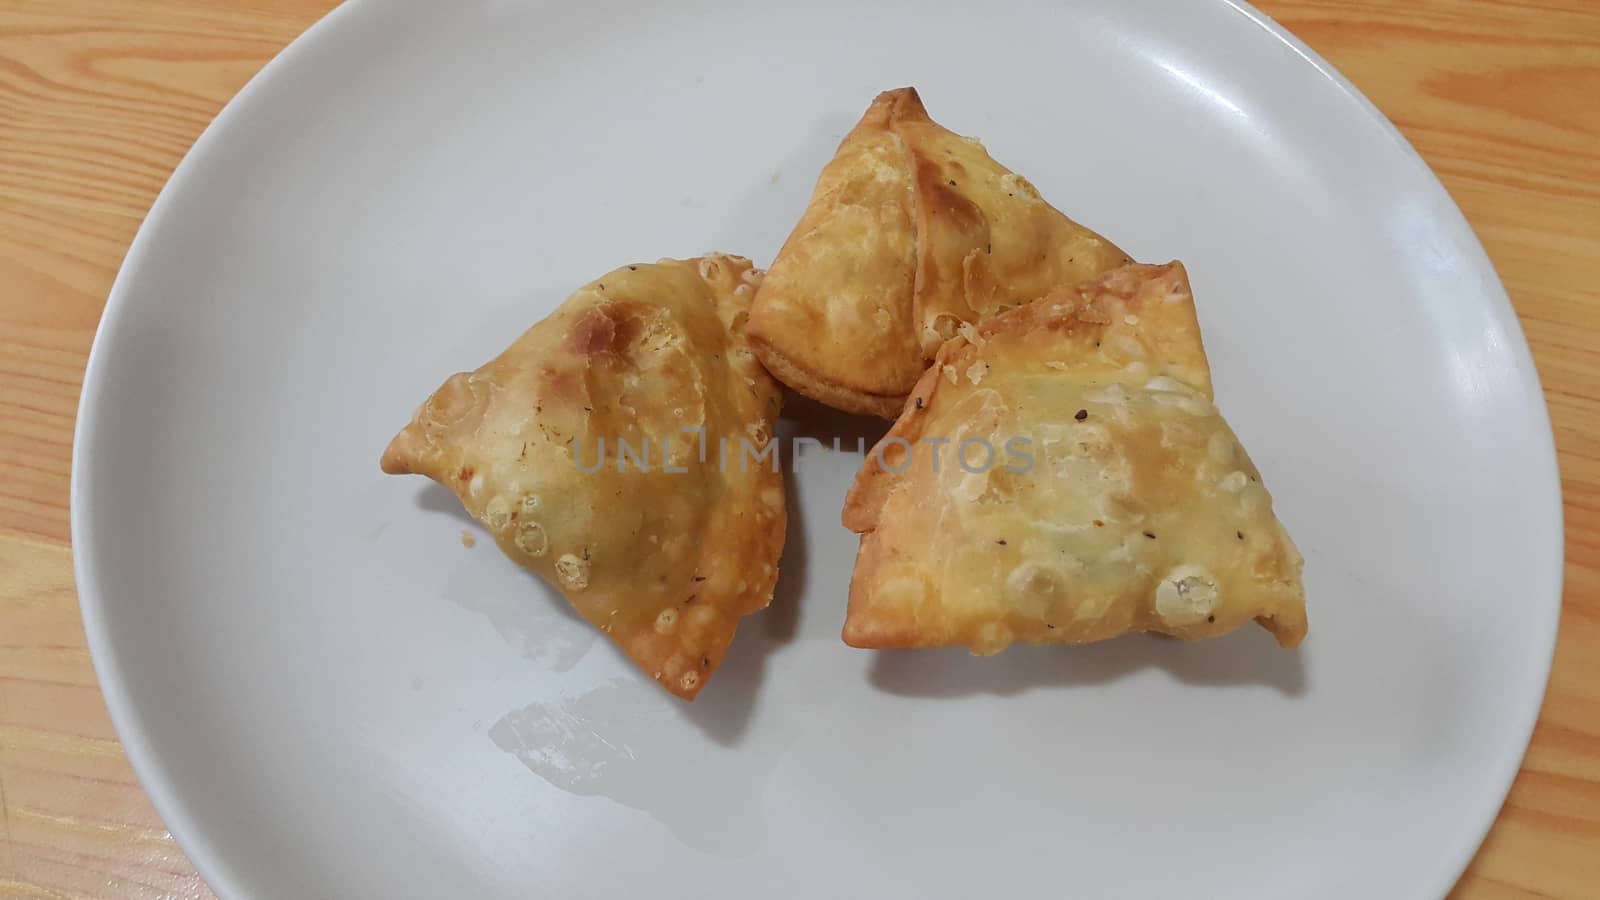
x=327, y=695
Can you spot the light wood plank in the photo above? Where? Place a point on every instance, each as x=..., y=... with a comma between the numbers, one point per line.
x=99, y=99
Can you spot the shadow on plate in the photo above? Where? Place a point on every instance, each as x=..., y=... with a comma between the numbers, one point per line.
x=1247, y=657
x=436, y=498
x=806, y=418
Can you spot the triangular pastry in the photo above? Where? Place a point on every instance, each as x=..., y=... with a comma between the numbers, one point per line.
x=664, y=561
x=912, y=230
x=1061, y=475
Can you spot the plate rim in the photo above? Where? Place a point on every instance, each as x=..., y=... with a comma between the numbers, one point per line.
x=163, y=791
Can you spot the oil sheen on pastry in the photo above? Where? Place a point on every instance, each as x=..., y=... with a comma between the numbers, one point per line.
x=912, y=230
x=660, y=543
x=1086, y=487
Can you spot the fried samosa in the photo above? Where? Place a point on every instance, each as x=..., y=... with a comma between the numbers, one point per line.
x=912, y=230
x=1060, y=475
x=593, y=451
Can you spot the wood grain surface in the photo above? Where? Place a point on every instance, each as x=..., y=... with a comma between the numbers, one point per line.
x=99, y=99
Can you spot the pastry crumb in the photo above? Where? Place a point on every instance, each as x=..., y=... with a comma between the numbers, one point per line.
x=467, y=540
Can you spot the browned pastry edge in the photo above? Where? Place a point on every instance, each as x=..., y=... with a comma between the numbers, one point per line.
x=821, y=389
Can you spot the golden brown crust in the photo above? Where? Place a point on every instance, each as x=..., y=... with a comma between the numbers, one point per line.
x=986, y=240
x=835, y=395
x=911, y=231
x=842, y=281
x=664, y=561
x=1136, y=510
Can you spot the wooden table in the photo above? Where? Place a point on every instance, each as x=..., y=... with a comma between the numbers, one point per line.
x=100, y=98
